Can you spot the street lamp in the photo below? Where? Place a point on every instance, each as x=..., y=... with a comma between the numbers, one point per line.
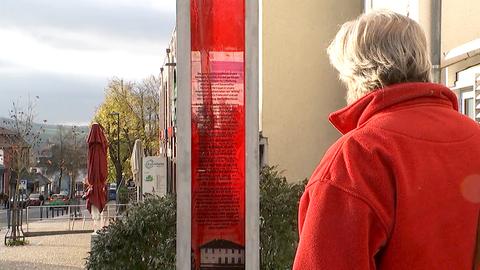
x=119, y=175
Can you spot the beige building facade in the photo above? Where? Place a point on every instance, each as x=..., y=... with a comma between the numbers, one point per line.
x=458, y=43
x=461, y=53
x=300, y=88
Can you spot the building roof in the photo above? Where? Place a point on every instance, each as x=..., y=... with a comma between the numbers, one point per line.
x=220, y=243
x=41, y=180
x=4, y=131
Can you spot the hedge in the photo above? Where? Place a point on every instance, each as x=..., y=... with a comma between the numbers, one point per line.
x=145, y=238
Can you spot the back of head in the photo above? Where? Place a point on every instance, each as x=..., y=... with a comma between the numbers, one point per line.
x=378, y=49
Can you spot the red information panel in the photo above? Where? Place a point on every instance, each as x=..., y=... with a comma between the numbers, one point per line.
x=218, y=134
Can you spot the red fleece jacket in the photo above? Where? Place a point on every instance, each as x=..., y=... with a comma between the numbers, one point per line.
x=399, y=190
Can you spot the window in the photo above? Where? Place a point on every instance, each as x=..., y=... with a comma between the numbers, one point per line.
x=469, y=107
x=233, y=260
x=467, y=102
x=239, y=260
x=408, y=8
x=226, y=260
x=219, y=260
x=263, y=151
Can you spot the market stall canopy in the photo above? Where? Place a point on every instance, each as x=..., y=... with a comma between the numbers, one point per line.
x=136, y=162
x=97, y=168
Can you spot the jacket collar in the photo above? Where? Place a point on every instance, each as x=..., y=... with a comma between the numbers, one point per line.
x=363, y=109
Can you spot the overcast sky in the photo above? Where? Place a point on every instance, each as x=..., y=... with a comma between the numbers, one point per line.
x=64, y=51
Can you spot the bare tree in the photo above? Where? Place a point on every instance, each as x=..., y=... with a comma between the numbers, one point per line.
x=68, y=155
x=21, y=137
x=58, y=154
x=77, y=155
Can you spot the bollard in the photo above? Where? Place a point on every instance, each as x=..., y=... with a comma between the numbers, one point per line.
x=8, y=218
x=27, y=218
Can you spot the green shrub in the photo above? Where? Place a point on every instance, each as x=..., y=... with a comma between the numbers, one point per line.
x=145, y=239
x=123, y=195
x=278, y=219
x=17, y=242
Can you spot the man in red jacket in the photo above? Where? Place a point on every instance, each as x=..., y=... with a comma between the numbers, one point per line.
x=401, y=188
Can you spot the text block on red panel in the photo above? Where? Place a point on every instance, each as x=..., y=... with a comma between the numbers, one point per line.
x=218, y=134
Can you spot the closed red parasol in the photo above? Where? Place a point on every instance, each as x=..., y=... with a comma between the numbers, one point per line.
x=97, y=168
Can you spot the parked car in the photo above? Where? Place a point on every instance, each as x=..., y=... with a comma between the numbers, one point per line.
x=58, y=199
x=112, y=194
x=112, y=186
x=34, y=199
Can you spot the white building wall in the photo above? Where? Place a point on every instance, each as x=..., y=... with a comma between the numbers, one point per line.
x=211, y=256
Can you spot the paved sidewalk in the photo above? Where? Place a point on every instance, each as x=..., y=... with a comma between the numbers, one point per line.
x=51, y=252
x=3, y=218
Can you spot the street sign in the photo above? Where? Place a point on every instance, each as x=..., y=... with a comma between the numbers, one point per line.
x=154, y=175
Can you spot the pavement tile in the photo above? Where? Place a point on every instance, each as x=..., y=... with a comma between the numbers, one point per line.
x=47, y=252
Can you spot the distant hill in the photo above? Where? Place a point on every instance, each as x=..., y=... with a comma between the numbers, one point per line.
x=49, y=135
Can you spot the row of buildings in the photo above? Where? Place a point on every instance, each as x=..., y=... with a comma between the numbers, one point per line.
x=14, y=150
x=299, y=88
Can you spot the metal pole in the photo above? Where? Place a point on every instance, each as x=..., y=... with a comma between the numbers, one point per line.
x=184, y=174
x=436, y=38
x=9, y=218
x=252, y=199
x=119, y=173
x=118, y=147
x=367, y=5
x=69, y=214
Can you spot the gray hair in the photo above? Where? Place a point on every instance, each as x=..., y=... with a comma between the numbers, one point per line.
x=378, y=49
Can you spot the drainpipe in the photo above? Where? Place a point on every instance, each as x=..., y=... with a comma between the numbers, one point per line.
x=436, y=39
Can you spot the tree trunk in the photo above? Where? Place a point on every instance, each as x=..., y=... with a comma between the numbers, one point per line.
x=13, y=221
x=118, y=170
x=72, y=184
x=14, y=208
x=60, y=181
